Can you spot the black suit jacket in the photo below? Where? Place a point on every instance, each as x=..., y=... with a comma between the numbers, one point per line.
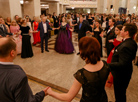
x=121, y=64
x=82, y=31
x=14, y=85
x=4, y=32
x=55, y=23
x=41, y=29
x=110, y=35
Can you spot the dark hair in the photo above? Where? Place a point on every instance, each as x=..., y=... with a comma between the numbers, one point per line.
x=15, y=16
x=131, y=28
x=23, y=21
x=7, y=47
x=19, y=19
x=99, y=21
x=83, y=16
x=89, y=49
x=113, y=20
x=119, y=27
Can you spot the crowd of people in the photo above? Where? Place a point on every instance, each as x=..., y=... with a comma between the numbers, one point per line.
x=120, y=31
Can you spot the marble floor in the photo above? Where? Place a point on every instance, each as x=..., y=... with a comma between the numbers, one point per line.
x=56, y=70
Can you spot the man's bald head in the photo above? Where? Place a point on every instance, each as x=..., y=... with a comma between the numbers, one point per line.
x=6, y=46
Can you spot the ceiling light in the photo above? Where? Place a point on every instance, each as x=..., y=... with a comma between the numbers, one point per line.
x=72, y=7
x=134, y=7
x=21, y=1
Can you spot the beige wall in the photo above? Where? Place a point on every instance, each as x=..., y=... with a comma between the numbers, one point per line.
x=61, y=8
x=100, y=6
x=32, y=8
x=10, y=8
x=64, y=9
x=54, y=7
x=130, y=5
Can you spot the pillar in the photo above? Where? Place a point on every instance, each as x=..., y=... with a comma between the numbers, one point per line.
x=131, y=6
x=64, y=9
x=32, y=8
x=10, y=8
x=54, y=7
x=100, y=6
x=116, y=6
x=109, y=3
x=61, y=8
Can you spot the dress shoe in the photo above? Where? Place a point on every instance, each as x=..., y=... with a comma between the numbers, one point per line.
x=78, y=53
x=42, y=51
x=47, y=50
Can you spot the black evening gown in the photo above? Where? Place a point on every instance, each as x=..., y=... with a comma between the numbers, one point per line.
x=93, y=84
x=98, y=37
x=26, y=43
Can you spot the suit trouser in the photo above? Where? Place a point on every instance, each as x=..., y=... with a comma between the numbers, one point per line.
x=120, y=87
x=45, y=37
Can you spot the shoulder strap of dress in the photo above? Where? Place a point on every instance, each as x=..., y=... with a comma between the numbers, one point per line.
x=85, y=80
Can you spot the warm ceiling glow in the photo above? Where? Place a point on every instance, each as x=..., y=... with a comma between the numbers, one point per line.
x=21, y=1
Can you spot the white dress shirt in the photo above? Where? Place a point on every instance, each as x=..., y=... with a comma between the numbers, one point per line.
x=6, y=63
x=78, y=19
x=1, y=25
x=110, y=29
x=45, y=27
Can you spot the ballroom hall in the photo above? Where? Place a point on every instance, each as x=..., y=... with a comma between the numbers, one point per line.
x=49, y=68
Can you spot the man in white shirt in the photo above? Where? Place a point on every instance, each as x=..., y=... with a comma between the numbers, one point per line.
x=43, y=28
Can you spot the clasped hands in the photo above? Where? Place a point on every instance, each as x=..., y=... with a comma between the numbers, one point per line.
x=47, y=91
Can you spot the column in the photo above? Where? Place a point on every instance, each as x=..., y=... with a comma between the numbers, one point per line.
x=61, y=8
x=131, y=6
x=100, y=6
x=116, y=6
x=109, y=3
x=10, y=8
x=64, y=9
x=32, y=8
x=123, y=3
x=54, y=7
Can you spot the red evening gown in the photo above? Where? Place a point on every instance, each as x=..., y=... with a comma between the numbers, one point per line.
x=36, y=35
x=110, y=80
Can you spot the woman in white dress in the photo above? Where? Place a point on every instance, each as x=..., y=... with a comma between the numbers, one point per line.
x=29, y=24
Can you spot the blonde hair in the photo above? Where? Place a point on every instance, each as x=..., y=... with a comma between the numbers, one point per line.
x=68, y=16
x=13, y=21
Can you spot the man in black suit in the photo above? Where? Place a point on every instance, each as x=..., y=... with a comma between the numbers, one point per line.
x=76, y=20
x=121, y=64
x=3, y=29
x=82, y=28
x=109, y=36
x=55, y=23
x=43, y=27
x=14, y=85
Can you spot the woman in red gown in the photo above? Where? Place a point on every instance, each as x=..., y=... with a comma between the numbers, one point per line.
x=36, y=35
x=115, y=42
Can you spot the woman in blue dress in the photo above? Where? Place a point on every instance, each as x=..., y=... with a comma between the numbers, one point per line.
x=63, y=41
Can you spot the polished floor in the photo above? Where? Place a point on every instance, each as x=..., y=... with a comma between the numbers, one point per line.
x=56, y=70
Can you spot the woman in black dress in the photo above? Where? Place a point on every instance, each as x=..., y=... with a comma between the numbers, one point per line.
x=26, y=43
x=90, y=20
x=92, y=77
x=98, y=33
